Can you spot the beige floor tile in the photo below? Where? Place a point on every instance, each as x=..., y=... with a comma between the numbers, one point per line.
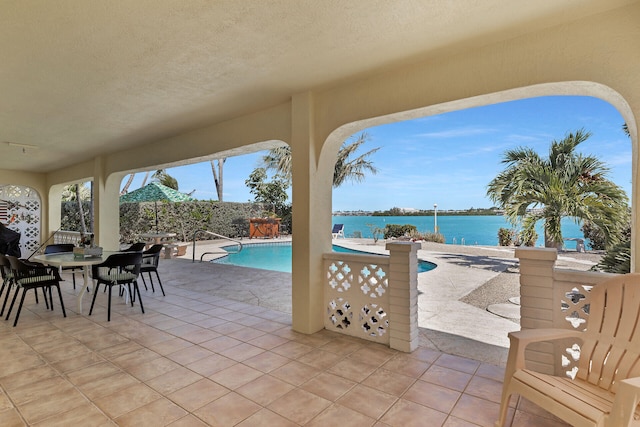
x=170, y=346
x=108, y=385
x=268, y=341
x=328, y=386
x=266, y=361
x=295, y=373
x=457, y=422
x=353, y=369
x=189, y=355
x=220, y=343
x=241, y=352
x=265, y=389
x=209, y=365
x=446, y=377
x=148, y=370
x=92, y=373
x=236, y=376
x=406, y=365
x=476, y=410
x=342, y=416
x=198, y=394
x=292, y=350
x=319, y=359
x=55, y=402
x=458, y=363
x=409, y=414
x=246, y=334
x=129, y=360
x=266, y=418
x=29, y=376
x=434, y=396
x=85, y=414
x=524, y=419
x=82, y=361
x=188, y=421
x=368, y=401
x=173, y=380
x=157, y=413
x=11, y=418
x=299, y=406
x=127, y=399
x=390, y=382
x=39, y=390
x=485, y=388
x=229, y=410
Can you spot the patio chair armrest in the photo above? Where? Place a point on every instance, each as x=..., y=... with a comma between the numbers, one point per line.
x=626, y=402
x=519, y=340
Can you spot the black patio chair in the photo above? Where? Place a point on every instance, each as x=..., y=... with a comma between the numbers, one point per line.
x=150, y=260
x=136, y=247
x=29, y=276
x=118, y=270
x=59, y=248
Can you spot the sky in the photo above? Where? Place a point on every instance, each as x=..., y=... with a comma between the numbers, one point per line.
x=447, y=159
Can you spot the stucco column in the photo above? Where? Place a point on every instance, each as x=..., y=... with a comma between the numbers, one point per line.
x=311, y=193
x=106, y=209
x=403, y=295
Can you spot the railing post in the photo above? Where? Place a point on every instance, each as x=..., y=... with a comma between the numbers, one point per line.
x=403, y=295
x=537, y=303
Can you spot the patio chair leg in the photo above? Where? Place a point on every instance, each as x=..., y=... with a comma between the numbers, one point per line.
x=6, y=298
x=109, y=306
x=64, y=313
x=160, y=282
x=93, y=301
x=13, y=301
x=24, y=293
x=145, y=282
x=137, y=288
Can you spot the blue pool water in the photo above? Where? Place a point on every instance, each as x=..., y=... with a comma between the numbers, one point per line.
x=277, y=257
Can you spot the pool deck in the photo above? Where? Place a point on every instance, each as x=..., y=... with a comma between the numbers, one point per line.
x=446, y=323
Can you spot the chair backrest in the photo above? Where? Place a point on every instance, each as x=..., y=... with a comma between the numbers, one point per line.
x=136, y=247
x=58, y=248
x=337, y=228
x=152, y=255
x=609, y=351
x=5, y=266
x=129, y=261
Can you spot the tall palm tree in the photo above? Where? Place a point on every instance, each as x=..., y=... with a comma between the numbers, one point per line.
x=347, y=168
x=567, y=184
x=165, y=179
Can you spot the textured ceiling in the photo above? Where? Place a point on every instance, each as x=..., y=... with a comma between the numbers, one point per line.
x=83, y=77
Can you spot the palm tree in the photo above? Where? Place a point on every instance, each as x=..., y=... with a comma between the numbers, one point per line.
x=347, y=168
x=165, y=179
x=218, y=175
x=567, y=184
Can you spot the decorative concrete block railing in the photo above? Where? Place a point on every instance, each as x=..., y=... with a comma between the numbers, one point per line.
x=64, y=236
x=552, y=297
x=374, y=297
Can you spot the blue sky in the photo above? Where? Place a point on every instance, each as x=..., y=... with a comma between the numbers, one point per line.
x=447, y=159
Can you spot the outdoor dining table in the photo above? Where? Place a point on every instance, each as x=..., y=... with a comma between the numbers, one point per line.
x=68, y=259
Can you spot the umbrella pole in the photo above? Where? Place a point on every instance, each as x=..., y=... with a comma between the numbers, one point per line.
x=155, y=202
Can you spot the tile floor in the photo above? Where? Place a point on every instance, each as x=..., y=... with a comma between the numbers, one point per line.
x=197, y=359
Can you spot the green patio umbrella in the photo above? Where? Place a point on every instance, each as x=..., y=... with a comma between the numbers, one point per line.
x=155, y=192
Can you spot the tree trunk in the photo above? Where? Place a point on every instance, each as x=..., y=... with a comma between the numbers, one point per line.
x=83, y=225
x=125, y=189
x=217, y=175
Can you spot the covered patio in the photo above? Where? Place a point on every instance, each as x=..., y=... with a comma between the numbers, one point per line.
x=195, y=358
x=98, y=91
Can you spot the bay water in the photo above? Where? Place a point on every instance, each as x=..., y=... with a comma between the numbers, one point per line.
x=457, y=229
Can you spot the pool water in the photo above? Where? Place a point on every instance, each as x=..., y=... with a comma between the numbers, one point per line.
x=277, y=257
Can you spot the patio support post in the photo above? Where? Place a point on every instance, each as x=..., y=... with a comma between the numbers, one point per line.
x=106, y=207
x=403, y=295
x=311, y=195
x=536, y=302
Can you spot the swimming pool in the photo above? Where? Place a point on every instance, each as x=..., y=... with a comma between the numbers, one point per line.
x=277, y=257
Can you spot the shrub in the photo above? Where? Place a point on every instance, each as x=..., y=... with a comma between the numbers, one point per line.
x=505, y=236
x=432, y=237
x=617, y=259
x=396, y=230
